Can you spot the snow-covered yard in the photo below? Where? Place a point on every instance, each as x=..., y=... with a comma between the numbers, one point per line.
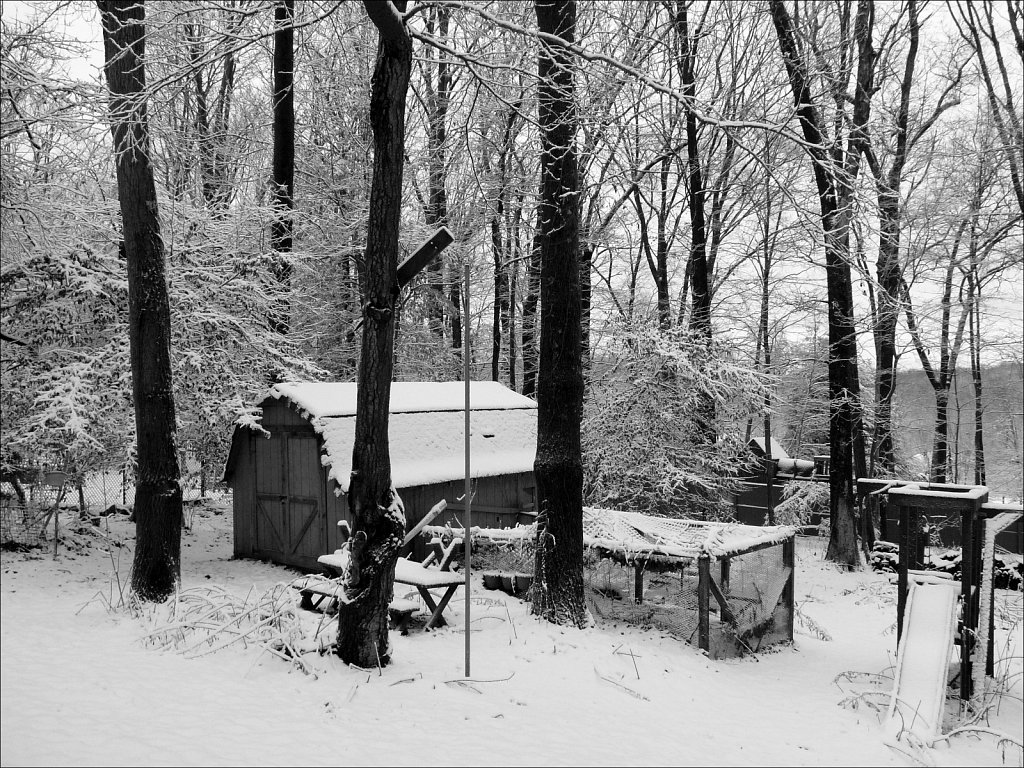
x=80, y=687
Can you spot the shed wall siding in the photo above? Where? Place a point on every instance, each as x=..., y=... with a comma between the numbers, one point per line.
x=277, y=413
x=242, y=493
x=498, y=502
x=286, y=510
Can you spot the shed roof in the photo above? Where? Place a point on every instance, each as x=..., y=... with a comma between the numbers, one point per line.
x=425, y=429
x=331, y=398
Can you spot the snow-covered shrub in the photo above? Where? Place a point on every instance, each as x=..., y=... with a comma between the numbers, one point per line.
x=644, y=449
x=800, y=502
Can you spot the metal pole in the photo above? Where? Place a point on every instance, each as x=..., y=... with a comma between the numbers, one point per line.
x=467, y=536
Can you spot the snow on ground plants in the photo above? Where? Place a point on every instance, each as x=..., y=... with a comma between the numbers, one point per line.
x=86, y=683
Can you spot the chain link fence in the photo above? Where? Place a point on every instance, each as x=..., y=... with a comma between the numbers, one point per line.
x=33, y=502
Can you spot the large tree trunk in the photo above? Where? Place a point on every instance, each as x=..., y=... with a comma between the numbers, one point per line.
x=436, y=213
x=889, y=269
x=284, y=155
x=558, y=468
x=500, y=309
x=530, y=321
x=940, y=437
x=974, y=341
x=700, y=315
x=378, y=521
x=156, y=568
x=834, y=186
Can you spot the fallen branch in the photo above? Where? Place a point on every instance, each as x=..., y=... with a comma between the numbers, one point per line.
x=626, y=688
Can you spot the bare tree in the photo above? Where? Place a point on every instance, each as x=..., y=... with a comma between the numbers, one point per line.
x=835, y=171
x=283, y=178
x=156, y=568
x=980, y=27
x=438, y=87
x=558, y=468
x=378, y=519
x=888, y=182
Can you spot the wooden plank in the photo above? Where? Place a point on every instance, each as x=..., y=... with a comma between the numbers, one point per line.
x=723, y=605
x=304, y=514
x=278, y=413
x=458, y=506
x=789, y=593
x=243, y=494
x=436, y=510
x=903, y=566
x=703, y=602
x=422, y=256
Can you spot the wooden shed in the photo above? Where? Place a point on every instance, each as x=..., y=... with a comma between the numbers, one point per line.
x=289, y=470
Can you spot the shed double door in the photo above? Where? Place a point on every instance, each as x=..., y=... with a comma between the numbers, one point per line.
x=290, y=527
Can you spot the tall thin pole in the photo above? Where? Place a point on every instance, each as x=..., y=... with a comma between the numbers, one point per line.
x=467, y=537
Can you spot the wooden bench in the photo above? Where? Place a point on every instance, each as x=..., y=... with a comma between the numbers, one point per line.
x=316, y=590
x=425, y=579
x=406, y=572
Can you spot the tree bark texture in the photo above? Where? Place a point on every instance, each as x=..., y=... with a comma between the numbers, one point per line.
x=700, y=315
x=558, y=468
x=156, y=568
x=436, y=213
x=888, y=268
x=531, y=300
x=378, y=522
x=834, y=194
x=283, y=153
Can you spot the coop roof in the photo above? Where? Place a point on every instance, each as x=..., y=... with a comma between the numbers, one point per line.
x=633, y=534
x=425, y=429
x=636, y=536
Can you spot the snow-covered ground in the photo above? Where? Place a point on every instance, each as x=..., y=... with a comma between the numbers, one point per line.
x=80, y=687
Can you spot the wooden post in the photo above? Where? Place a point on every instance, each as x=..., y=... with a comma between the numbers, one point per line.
x=901, y=571
x=967, y=570
x=789, y=593
x=704, y=602
x=638, y=582
x=990, y=647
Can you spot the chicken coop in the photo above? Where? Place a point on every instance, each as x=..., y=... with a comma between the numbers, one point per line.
x=726, y=588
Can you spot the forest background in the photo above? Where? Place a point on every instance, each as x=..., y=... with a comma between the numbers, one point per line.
x=944, y=143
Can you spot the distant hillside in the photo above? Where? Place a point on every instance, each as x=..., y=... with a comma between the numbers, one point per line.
x=1002, y=398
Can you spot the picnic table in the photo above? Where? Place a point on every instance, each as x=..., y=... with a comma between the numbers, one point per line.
x=414, y=574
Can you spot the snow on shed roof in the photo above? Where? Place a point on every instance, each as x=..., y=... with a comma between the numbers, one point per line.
x=327, y=398
x=425, y=429
x=428, y=448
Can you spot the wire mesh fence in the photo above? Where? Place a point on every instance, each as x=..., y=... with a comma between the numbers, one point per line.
x=32, y=503
x=727, y=601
